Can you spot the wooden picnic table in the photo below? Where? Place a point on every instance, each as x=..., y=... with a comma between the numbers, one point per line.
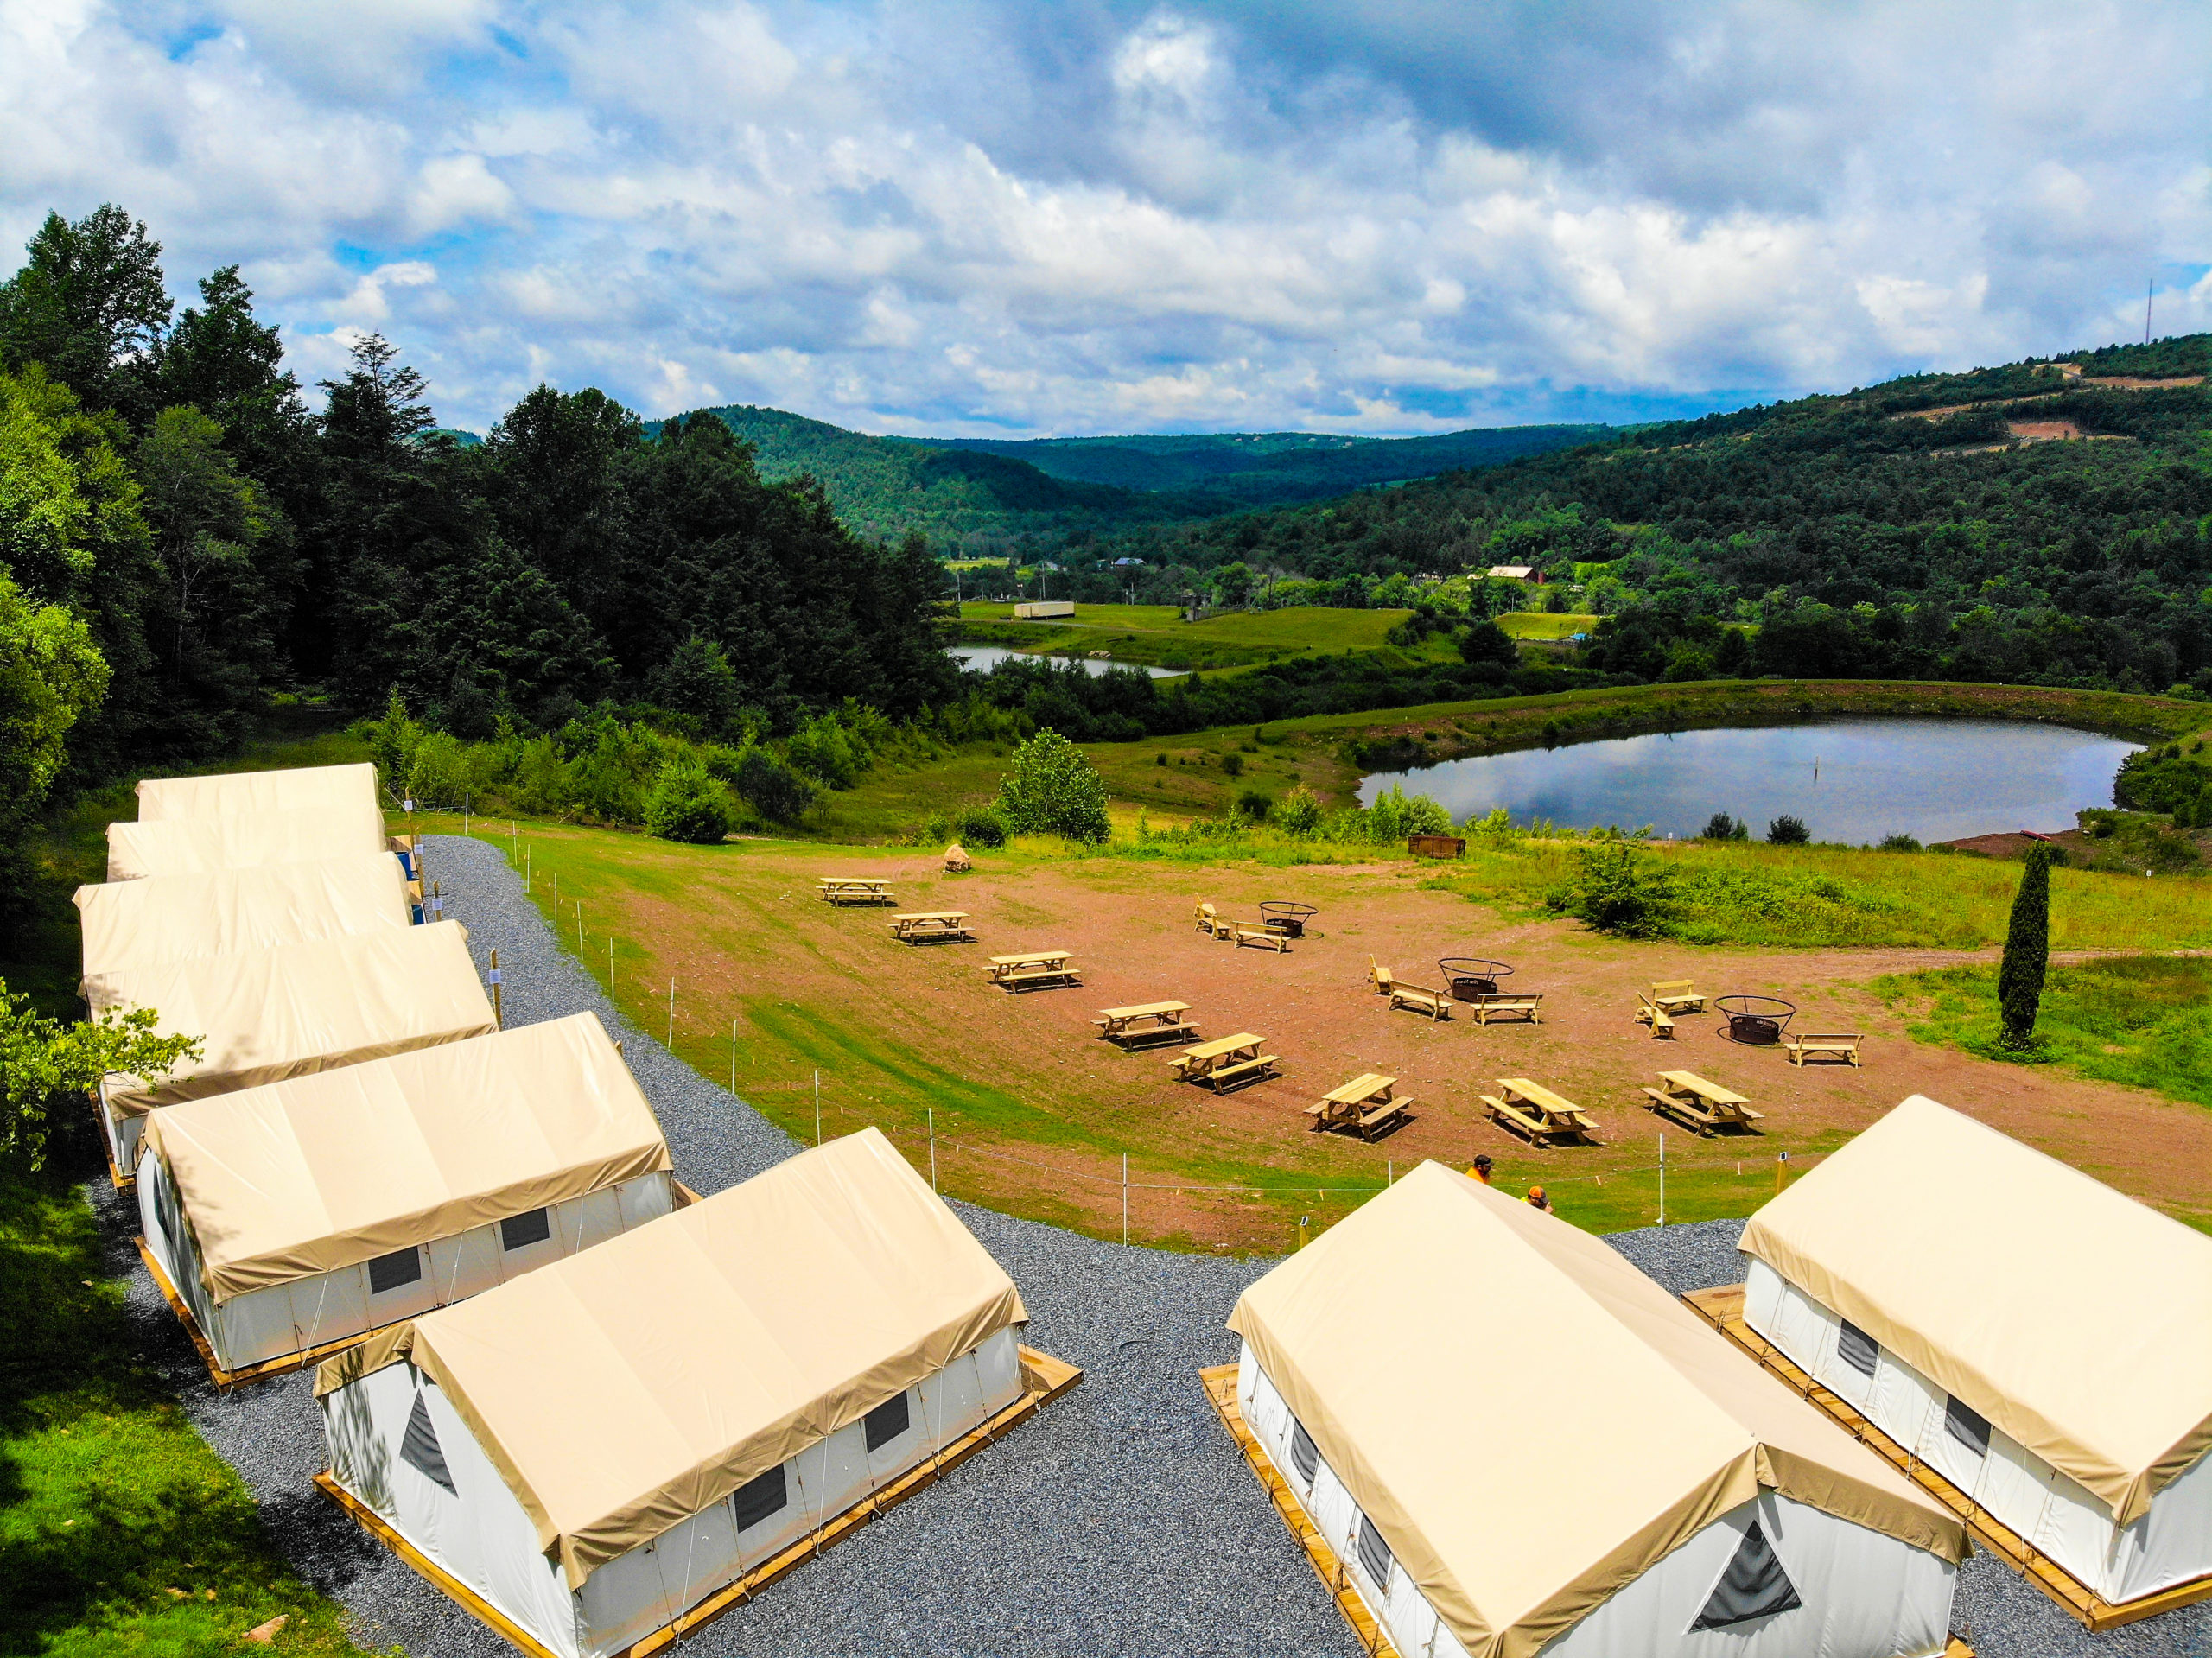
x=1366, y=1105
x=1837, y=1045
x=1032, y=970
x=1232, y=1058
x=1537, y=1112
x=1127, y=1025
x=1705, y=1108
x=923, y=926
x=855, y=889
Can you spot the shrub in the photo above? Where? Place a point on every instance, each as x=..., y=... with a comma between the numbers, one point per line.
x=1160, y=758
x=982, y=826
x=1722, y=826
x=1616, y=890
x=1298, y=812
x=1899, y=843
x=1053, y=789
x=1255, y=805
x=1786, y=830
x=1232, y=764
x=688, y=805
x=775, y=791
x=1396, y=815
x=2027, y=952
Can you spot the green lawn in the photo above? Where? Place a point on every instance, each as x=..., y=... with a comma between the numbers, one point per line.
x=2142, y=1021
x=1540, y=625
x=1157, y=635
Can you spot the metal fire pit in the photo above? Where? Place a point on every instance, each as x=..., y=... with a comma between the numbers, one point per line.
x=1286, y=917
x=1470, y=977
x=1756, y=1020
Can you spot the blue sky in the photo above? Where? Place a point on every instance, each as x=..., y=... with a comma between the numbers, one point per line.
x=1085, y=217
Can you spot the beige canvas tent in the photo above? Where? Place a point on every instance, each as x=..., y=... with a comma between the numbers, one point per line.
x=2040, y=1340
x=598, y=1446
x=311, y=1211
x=129, y=923
x=311, y=788
x=290, y=1009
x=196, y=846
x=1516, y=1441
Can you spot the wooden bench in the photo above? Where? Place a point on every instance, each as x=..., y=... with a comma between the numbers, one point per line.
x=1366, y=1105
x=1836, y=1045
x=932, y=926
x=1230, y=1058
x=1034, y=970
x=1486, y=1008
x=1420, y=998
x=1538, y=1113
x=1207, y=917
x=1672, y=996
x=1649, y=1012
x=1124, y=1026
x=1261, y=938
x=855, y=889
x=1705, y=1108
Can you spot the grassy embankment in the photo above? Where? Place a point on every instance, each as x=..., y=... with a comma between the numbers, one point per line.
x=2146, y=1021
x=121, y=1532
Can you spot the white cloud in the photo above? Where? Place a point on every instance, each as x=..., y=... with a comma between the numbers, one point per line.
x=977, y=216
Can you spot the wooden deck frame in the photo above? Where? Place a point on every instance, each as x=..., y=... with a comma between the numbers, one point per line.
x=1220, y=1384
x=245, y=1376
x=1723, y=1308
x=1044, y=1377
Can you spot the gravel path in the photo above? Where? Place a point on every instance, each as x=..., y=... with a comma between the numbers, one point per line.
x=1120, y=1521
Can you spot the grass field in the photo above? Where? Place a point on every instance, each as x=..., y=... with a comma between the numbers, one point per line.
x=1542, y=625
x=1157, y=636
x=2146, y=1021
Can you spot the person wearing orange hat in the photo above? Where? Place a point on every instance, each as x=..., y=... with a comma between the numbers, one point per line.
x=1537, y=1200
x=1479, y=1169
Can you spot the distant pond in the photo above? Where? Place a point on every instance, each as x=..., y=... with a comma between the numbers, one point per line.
x=1853, y=781
x=982, y=658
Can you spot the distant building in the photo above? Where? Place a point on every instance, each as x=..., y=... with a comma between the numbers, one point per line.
x=1038, y=609
x=1128, y=564
x=1527, y=572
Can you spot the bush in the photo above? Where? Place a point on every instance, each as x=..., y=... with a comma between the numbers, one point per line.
x=1487, y=642
x=1396, y=815
x=775, y=791
x=1899, y=843
x=1053, y=789
x=1722, y=826
x=2027, y=953
x=1255, y=805
x=982, y=826
x=1786, y=830
x=1298, y=812
x=1616, y=890
x=688, y=805
x=1232, y=764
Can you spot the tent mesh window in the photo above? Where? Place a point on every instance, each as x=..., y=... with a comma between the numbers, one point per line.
x=1754, y=1585
x=1305, y=1455
x=520, y=1231
x=886, y=1421
x=1374, y=1553
x=757, y=1499
x=1967, y=1425
x=1856, y=1348
x=419, y=1448
x=394, y=1271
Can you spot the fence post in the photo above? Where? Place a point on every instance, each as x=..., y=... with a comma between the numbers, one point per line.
x=733, y=1056
x=580, y=931
x=817, y=1108
x=499, y=1017
x=931, y=1113
x=1662, y=1177
x=1125, y=1196
x=610, y=966
x=1781, y=1166
x=1303, y=1221
x=529, y=857
x=464, y=814
x=672, y=1016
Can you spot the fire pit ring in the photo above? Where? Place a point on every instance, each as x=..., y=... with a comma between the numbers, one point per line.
x=1757, y=1021
x=1470, y=978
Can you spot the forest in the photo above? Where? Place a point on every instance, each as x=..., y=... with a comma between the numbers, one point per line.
x=181, y=540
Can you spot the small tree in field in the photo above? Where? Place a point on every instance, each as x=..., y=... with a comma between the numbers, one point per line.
x=688, y=805
x=2027, y=952
x=42, y=1060
x=1053, y=789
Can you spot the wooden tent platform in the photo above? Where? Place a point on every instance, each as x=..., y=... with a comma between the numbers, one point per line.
x=1044, y=1379
x=246, y=1375
x=1723, y=1308
x=1220, y=1383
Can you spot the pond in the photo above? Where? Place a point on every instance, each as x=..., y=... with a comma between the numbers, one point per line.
x=1853, y=781
x=982, y=658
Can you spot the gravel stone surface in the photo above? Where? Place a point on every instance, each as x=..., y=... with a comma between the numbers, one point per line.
x=1121, y=1520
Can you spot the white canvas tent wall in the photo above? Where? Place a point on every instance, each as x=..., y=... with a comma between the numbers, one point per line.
x=315, y=1209
x=1517, y=1442
x=267, y=1015
x=2042, y=1341
x=309, y=788
x=605, y=1443
x=195, y=845
x=179, y=918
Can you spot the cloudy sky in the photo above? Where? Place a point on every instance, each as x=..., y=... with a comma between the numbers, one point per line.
x=1087, y=216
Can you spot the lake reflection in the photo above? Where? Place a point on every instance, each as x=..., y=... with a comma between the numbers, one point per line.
x=1849, y=780
x=982, y=658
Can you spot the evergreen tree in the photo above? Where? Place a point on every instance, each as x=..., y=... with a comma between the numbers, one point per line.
x=88, y=304
x=698, y=680
x=2027, y=952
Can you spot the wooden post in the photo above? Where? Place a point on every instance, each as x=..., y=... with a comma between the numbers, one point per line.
x=610, y=966
x=1125, y=1196
x=437, y=903
x=529, y=855
x=493, y=979
x=580, y=930
x=1389, y=1172
x=817, y=1108
x=557, y=897
x=1303, y=1220
x=464, y=814
x=931, y=1113
x=1662, y=1177
x=733, y=1056
x=672, y=1016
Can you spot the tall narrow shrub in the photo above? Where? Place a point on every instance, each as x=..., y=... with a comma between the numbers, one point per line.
x=2027, y=952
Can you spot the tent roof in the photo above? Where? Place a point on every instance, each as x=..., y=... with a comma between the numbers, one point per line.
x=627, y=1387
x=329, y=1169
x=1527, y=1419
x=1977, y=1260
x=302, y=788
x=173, y=917
x=267, y=1015
x=193, y=846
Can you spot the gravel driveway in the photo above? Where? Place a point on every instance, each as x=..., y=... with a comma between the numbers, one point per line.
x=1120, y=1521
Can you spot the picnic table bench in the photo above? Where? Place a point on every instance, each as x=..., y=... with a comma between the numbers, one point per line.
x=1486, y=1008
x=1537, y=1112
x=1839, y=1044
x=1259, y=938
x=1232, y=1059
x=855, y=889
x=1366, y=1105
x=1667, y=998
x=1127, y=1025
x=930, y=926
x=1032, y=969
x=1435, y=1003
x=1705, y=1108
